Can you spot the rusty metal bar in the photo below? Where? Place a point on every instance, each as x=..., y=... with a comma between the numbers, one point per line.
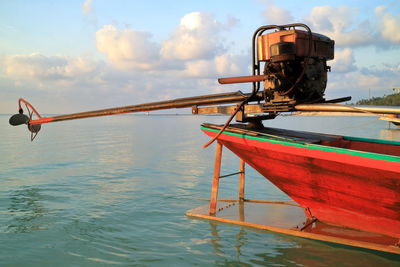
x=213, y=99
x=309, y=222
x=227, y=175
x=242, y=79
x=215, y=182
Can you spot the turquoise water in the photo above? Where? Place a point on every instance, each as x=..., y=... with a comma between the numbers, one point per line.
x=114, y=191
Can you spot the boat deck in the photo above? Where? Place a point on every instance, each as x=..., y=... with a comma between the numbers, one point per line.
x=361, y=144
x=288, y=218
x=290, y=135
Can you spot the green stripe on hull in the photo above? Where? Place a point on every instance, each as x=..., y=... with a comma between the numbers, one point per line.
x=368, y=140
x=290, y=142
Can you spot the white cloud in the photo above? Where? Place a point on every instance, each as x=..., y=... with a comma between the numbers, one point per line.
x=228, y=64
x=198, y=37
x=220, y=66
x=360, y=83
x=200, y=68
x=89, y=11
x=34, y=66
x=187, y=63
x=53, y=81
x=343, y=24
x=40, y=67
x=277, y=15
x=127, y=48
x=194, y=49
x=339, y=24
x=133, y=59
x=388, y=24
x=87, y=7
x=344, y=60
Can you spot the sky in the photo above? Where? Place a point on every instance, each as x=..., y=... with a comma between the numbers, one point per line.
x=71, y=56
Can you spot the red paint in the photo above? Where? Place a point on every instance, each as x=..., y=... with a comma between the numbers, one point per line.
x=42, y=120
x=364, y=146
x=28, y=106
x=342, y=189
x=31, y=110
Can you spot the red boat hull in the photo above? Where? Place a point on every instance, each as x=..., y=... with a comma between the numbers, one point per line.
x=354, y=189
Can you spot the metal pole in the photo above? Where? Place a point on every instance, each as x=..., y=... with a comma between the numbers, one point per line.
x=206, y=100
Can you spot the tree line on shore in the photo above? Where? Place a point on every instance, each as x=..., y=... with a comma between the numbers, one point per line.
x=387, y=100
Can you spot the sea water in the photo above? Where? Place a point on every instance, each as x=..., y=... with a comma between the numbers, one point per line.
x=114, y=191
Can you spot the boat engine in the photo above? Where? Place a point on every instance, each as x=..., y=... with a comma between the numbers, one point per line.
x=294, y=65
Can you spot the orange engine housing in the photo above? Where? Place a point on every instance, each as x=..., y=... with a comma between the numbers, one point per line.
x=322, y=46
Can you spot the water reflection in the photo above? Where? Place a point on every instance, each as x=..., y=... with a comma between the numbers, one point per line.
x=116, y=191
x=215, y=241
x=219, y=249
x=27, y=211
x=240, y=241
x=263, y=248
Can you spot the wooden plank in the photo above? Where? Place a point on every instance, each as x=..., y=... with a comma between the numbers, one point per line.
x=346, y=108
x=391, y=119
x=215, y=182
x=281, y=222
x=254, y=108
x=285, y=202
x=241, y=179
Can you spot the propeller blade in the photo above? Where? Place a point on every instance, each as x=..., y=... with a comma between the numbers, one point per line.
x=35, y=128
x=18, y=119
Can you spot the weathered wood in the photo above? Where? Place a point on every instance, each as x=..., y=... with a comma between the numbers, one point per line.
x=346, y=108
x=215, y=182
x=286, y=202
x=241, y=179
x=393, y=119
x=306, y=109
x=254, y=108
x=264, y=216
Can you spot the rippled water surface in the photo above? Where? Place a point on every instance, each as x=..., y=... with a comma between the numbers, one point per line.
x=114, y=191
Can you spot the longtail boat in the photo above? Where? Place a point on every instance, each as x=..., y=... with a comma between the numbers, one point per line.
x=338, y=180
x=344, y=189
